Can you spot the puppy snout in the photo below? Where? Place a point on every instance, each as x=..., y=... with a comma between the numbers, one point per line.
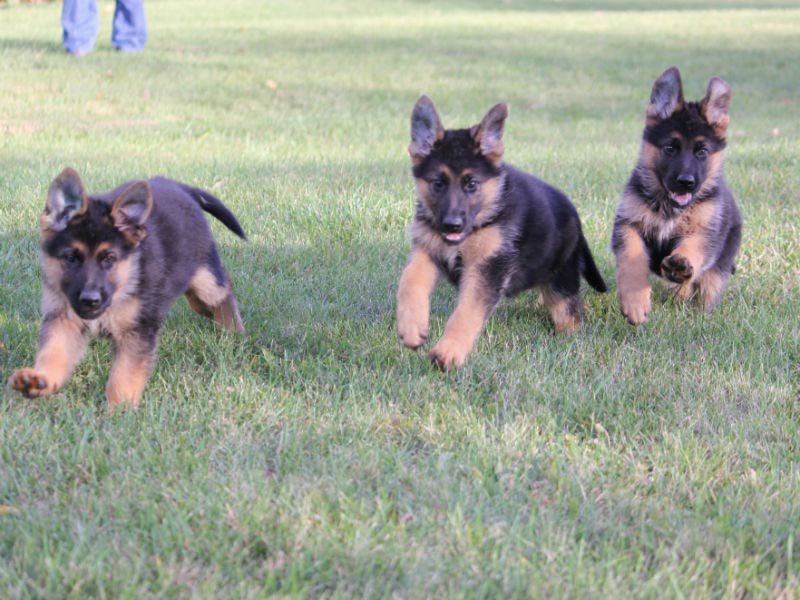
x=686, y=182
x=90, y=299
x=453, y=223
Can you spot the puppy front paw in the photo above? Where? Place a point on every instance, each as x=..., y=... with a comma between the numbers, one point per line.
x=448, y=354
x=30, y=383
x=635, y=307
x=412, y=329
x=677, y=268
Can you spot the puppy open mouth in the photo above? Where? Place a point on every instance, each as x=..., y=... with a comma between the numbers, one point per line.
x=89, y=314
x=455, y=238
x=681, y=199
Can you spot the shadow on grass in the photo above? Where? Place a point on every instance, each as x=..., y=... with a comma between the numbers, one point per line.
x=34, y=45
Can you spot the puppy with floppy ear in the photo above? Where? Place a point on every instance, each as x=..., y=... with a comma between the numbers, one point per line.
x=491, y=229
x=113, y=264
x=677, y=218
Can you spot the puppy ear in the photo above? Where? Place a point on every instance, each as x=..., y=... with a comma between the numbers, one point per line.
x=130, y=210
x=666, y=97
x=426, y=129
x=716, y=105
x=66, y=199
x=488, y=134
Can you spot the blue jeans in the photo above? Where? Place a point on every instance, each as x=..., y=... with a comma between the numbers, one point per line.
x=79, y=21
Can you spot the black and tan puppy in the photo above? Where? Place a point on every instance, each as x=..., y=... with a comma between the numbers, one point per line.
x=113, y=264
x=491, y=229
x=677, y=217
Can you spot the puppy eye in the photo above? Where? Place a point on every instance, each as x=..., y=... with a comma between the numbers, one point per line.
x=470, y=186
x=438, y=186
x=670, y=150
x=72, y=257
x=701, y=153
x=107, y=260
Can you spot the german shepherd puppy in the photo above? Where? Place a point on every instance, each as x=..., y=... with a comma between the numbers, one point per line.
x=491, y=229
x=113, y=264
x=677, y=217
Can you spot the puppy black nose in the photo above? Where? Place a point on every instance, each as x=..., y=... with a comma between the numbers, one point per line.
x=686, y=182
x=453, y=223
x=90, y=299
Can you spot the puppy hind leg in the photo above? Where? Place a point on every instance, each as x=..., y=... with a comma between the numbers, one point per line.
x=226, y=314
x=565, y=310
x=214, y=300
x=563, y=299
x=711, y=285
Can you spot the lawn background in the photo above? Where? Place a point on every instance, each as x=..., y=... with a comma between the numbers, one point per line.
x=313, y=456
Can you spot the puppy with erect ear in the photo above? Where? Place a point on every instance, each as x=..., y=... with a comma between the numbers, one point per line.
x=113, y=264
x=66, y=199
x=677, y=218
x=491, y=229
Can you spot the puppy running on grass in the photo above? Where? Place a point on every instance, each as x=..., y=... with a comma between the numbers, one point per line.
x=113, y=264
x=493, y=230
x=677, y=218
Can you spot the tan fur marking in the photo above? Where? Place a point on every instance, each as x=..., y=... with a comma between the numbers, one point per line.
x=696, y=219
x=118, y=319
x=693, y=249
x=80, y=247
x=423, y=192
x=44, y=226
x=423, y=186
x=711, y=284
x=51, y=272
x=648, y=154
x=481, y=245
x=489, y=196
x=126, y=277
x=632, y=209
x=208, y=298
x=565, y=312
x=53, y=301
x=197, y=305
x=678, y=292
x=465, y=324
x=226, y=314
x=431, y=242
x=413, y=298
x=632, y=277
x=721, y=128
x=204, y=284
x=129, y=373
x=61, y=347
x=715, y=161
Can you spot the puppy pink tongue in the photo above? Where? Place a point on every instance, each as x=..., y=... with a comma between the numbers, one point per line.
x=454, y=237
x=682, y=199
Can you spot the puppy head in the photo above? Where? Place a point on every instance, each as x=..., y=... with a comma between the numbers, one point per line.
x=457, y=171
x=684, y=141
x=89, y=246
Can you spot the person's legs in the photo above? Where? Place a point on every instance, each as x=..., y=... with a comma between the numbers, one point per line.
x=130, y=30
x=79, y=23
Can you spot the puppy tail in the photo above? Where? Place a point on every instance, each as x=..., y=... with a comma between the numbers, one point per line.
x=590, y=271
x=214, y=206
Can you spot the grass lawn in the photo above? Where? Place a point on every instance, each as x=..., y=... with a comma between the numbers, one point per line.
x=314, y=456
